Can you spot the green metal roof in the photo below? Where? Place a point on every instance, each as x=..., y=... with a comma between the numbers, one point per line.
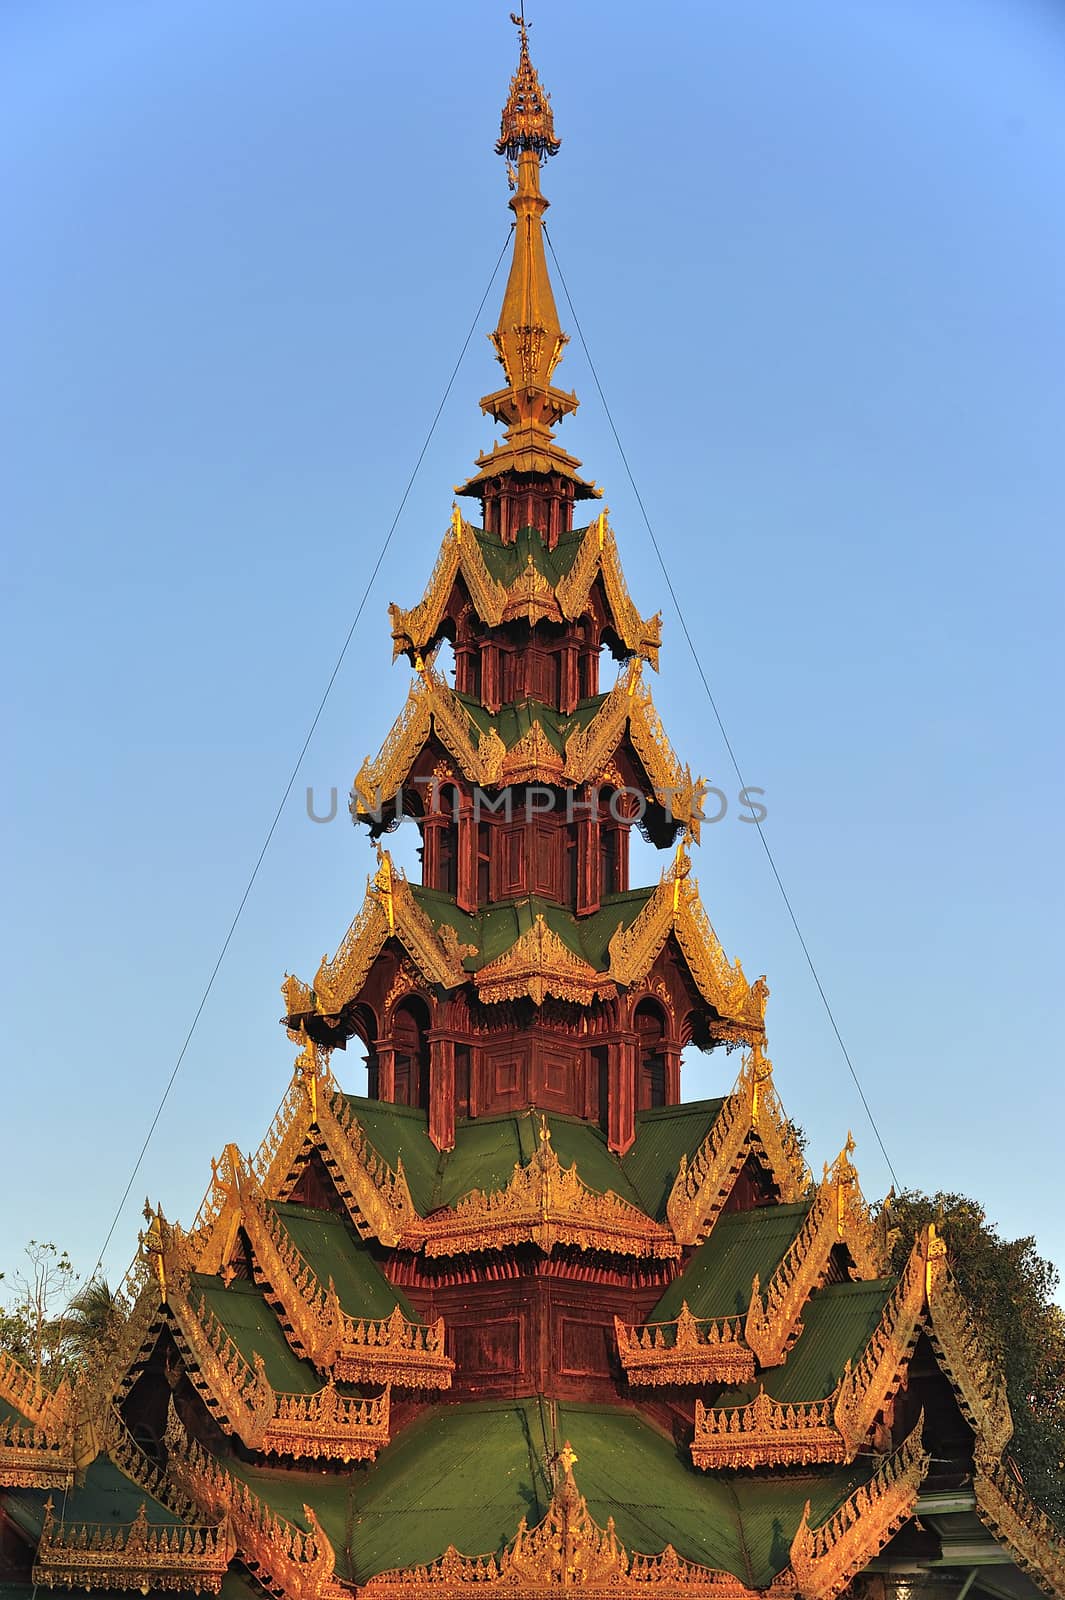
x=334, y=1250
x=486, y=1151
x=252, y=1325
x=466, y=1474
x=662, y=1137
x=838, y=1322
x=716, y=1282
x=494, y=930
x=506, y=562
x=105, y=1495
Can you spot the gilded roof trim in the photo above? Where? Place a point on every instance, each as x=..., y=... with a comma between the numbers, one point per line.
x=1031, y=1538
x=826, y=1558
x=139, y=1555
x=751, y=1113
x=689, y=1350
x=530, y=596
x=675, y=907
x=544, y=1204
x=569, y=1552
x=838, y=1215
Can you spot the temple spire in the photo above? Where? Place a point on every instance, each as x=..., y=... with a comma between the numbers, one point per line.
x=528, y=336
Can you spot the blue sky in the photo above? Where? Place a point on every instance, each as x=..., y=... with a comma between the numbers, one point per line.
x=818, y=253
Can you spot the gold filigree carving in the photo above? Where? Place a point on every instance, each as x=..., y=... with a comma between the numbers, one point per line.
x=541, y=964
x=837, y=1215
x=533, y=759
x=768, y=1432
x=765, y=1431
x=1030, y=1536
x=751, y=1113
x=675, y=907
x=598, y=554
x=978, y=1384
x=568, y=1552
x=287, y=1559
x=548, y=1205
x=138, y=1555
x=35, y=1455
x=826, y=1558
x=688, y=1350
x=389, y=909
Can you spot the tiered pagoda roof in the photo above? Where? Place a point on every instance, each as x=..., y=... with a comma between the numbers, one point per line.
x=519, y=1320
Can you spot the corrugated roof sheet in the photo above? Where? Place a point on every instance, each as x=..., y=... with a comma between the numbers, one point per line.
x=333, y=1250
x=662, y=1137
x=467, y=1474
x=253, y=1326
x=716, y=1282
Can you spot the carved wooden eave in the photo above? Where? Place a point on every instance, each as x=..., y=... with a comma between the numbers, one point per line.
x=140, y=1555
x=314, y=1114
x=432, y=707
x=382, y=1350
x=568, y=1552
x=838, y=1215
x=979, y=1388
x=769, y=1432
x=751, y=1119
x=689, y=1350
x=675, y=908
x=323, y=1425
x=36, y=1448
x=539, y=964
x=825, y=1559
x=389, y=911
x=288, y=1560
x=1029, y=1536
x=545, y=1204
x=629, y=706
x=530, y=596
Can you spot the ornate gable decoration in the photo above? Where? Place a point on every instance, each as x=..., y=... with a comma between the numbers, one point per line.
x=751, y=1116
x=545, y=1204
x=568, y=1552
x=675, y=908
x=541, y=964
x=838, y=1215
x=389, y=910
x=530, y=595
x=979, y=1387
x=826, y=1558
x=689, y=1350
x=314, y=1112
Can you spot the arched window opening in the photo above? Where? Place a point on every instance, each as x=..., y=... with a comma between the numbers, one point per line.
x=409, y=1028
x=651, y=1079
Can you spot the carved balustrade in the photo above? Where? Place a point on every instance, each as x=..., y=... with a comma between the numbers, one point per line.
x=240, y=1396
x=287, y=1559
x=687, y=1350
x=139, y=1555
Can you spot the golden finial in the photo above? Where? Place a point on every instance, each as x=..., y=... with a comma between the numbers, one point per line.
x=567, y=1458
x=528, y=122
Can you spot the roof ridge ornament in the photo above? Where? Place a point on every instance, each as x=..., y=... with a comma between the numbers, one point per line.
x=528, y=121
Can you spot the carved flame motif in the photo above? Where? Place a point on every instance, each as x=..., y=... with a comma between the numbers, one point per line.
x=37, y=1453
x=139, y=1555
x=826, y=1558
x=540, y=964
x=1035, y=1543
x=569, y=1553
x=688, y=1350
x=675, y=908
x=545, y=1204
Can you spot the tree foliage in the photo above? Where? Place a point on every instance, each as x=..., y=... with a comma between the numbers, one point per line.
x=1011, y=1290
x=49, y=1324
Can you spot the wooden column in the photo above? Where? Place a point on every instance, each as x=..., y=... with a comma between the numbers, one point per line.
x=386, y=1070
x=621, y=1119
x=466, y=874
x=441, y=1091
